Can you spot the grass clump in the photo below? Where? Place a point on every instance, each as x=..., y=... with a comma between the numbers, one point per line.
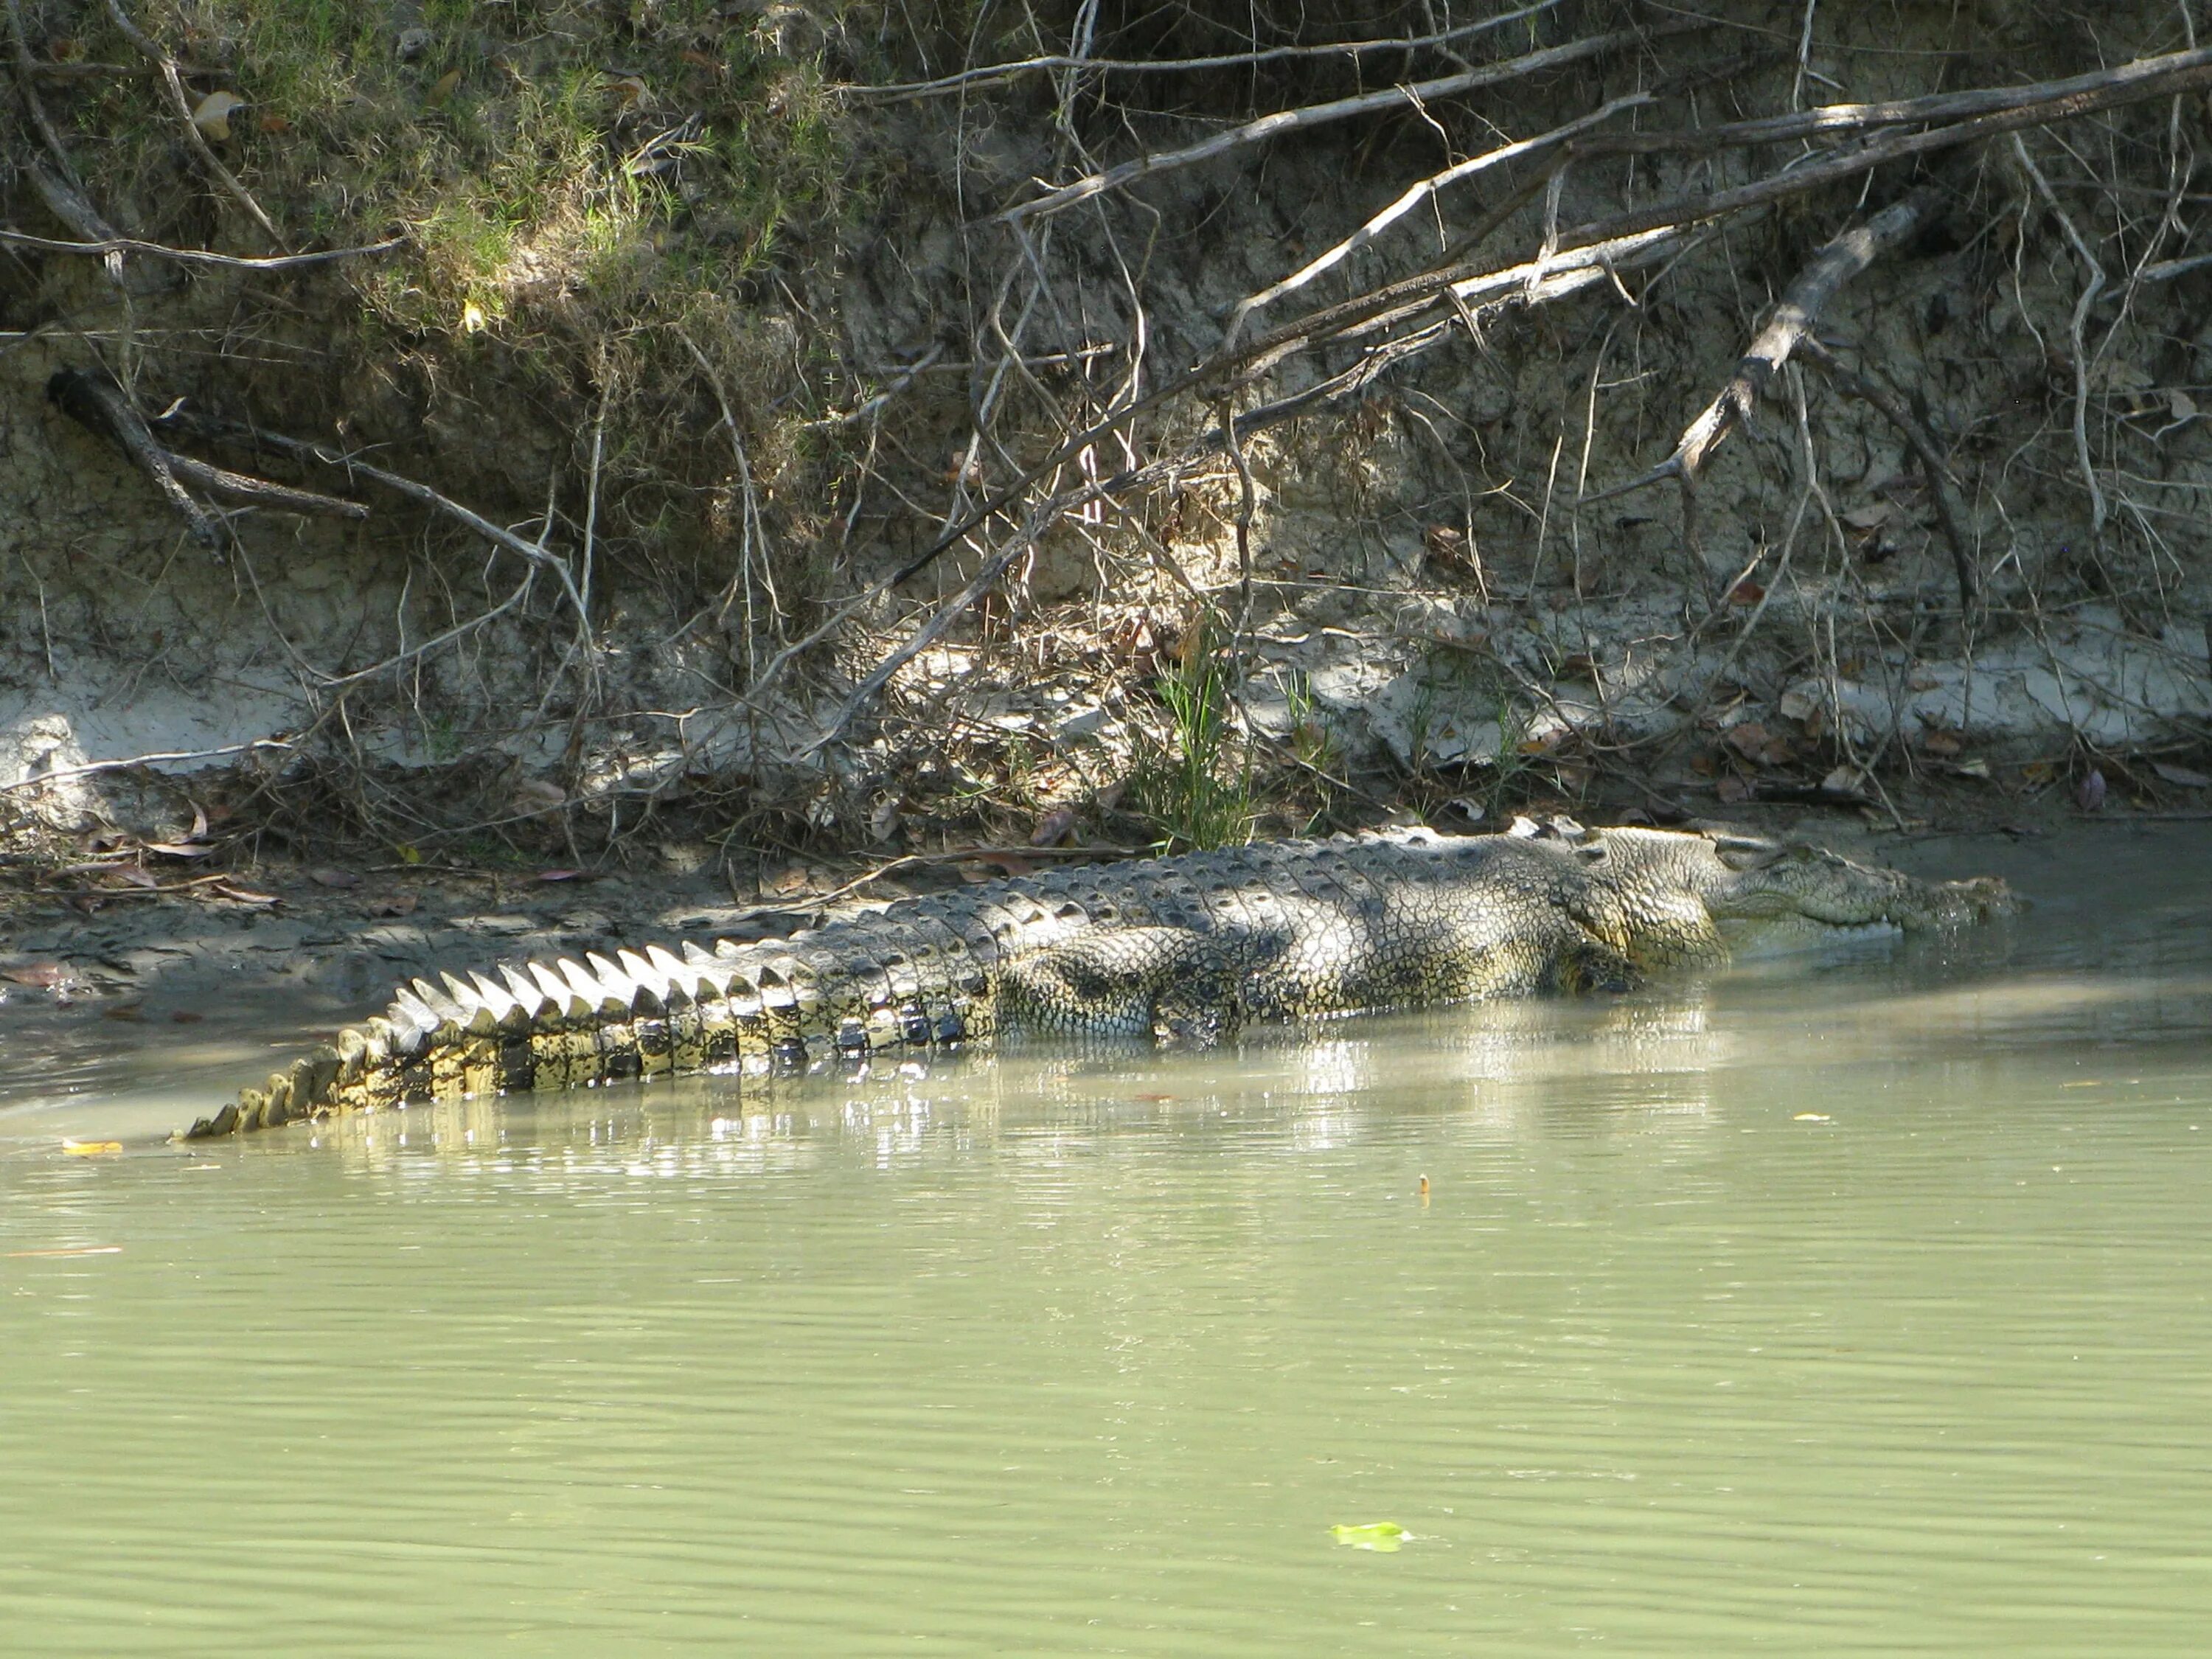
x=1195, y=790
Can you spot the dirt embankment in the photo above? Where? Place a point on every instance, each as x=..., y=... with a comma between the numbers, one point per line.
x=801, y=431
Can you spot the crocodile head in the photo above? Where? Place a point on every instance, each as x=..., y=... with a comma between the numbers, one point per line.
x=1766, y=886
x=1666, y=895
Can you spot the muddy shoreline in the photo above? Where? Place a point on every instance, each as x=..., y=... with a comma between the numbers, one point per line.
x=339, y=937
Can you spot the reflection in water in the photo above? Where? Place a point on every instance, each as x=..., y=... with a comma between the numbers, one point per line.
x=1847, y=1305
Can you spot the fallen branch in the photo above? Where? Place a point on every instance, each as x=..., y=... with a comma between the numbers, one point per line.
x=62, y=773
x=1891, y=409
x=99, y=405
x=1413, y=196
x=534, y=552
x=241, y=487
x=108, y=245
x=1342, y=109
x=1791, y=319
x=994, y=73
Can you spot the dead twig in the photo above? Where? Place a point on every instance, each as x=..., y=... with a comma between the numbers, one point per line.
x=1417, y=194
x=182, y=104
x=1917, y=437
x=992, y=73
x=109, y=246
x=534, y=552
x=62, y=773
x=1342, y=109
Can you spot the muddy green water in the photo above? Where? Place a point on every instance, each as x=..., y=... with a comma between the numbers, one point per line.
x=1852, y=1305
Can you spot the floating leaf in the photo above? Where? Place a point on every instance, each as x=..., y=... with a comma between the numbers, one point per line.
x=40, y=976
x=1811, y=1117
x=212, y=114
x=1383, y=1535
x=91, y=1148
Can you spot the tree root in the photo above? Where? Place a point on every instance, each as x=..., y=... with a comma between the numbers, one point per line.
x=98, y=405
x=1915, y=431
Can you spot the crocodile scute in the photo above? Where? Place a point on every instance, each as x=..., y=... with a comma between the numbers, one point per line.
x=1189, y=948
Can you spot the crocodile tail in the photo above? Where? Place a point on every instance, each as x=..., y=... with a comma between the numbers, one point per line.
x=553, y=1025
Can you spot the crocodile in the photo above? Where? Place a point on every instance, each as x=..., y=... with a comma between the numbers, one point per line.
x=1186, y=949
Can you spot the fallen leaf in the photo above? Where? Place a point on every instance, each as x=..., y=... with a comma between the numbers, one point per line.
x=701, y=60
x=185, y=1017
x=2183, y=777
x=392, y=904
x=179, y=849
x=2090, y=791
x=1733, y=789
x=1757, y=744
x=245, y=895
x=329, y=878
x=2180, y=406
x=1385, y=1536
x=1845, y=782
x=629, y=90
x=132, y=1011
x=443, y=89
x=473, y=321
x=883, y=818
x=1052, y=828
x=1941, y=743
x=1976, y=768
x=1746, y=592
x=562, y=875
x=1872, y=516
x=41, y=975
x=91, y=1148
x=273, y=124
x=212, y=114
